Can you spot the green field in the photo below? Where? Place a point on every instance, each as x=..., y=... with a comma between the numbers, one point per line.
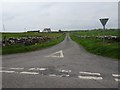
x=17, y=48
x=25, y=34
x=97, y=32
x=96, y=46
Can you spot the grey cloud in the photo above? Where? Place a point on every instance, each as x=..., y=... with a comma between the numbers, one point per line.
x=65, y=15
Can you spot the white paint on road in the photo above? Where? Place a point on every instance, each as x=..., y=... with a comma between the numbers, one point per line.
x=65, y=70
x=4, y=71
x=116, y=79
x=34, y=73
x=58, y=54
x=67, y=75
x=52, y=75
x=17, y=68
x=115, y=75
x=90, y=73
x=90, y=77
x=41, y=69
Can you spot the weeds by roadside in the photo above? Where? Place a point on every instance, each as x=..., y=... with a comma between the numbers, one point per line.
x=21, y=48
x=96, y=46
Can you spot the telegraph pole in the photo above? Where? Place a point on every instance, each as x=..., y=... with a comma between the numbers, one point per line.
x=3, y=28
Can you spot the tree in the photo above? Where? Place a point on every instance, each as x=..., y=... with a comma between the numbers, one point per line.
x=60, y=30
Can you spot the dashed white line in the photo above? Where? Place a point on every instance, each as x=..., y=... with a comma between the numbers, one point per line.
x=67, y=75
x=41, y=69
x=7, y=71
x=52, y=75
x=90, y=73
x=34, y=73
x=116, y=79
x=90, y=77
x=115, y=75
x=65, y=70
x=32, y=69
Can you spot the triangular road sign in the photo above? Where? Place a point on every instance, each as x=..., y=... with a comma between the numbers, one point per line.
x=58, y=54
x=104, y=21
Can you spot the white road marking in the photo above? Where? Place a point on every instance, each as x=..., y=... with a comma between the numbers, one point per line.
x=41, y=69
x=52, y=75
x=34, y=73
x=116, y=79
x=115, y=75
x=90, y=77
x=32, y=69
x=17, y=68
x=90, y=73
x=65, y=70
x=7, y=71
x=67, y=75
x=55, y=54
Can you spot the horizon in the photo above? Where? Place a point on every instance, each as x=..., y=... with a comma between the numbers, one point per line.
x=62, y=30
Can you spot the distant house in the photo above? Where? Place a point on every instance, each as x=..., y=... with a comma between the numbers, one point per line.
x=47, y=30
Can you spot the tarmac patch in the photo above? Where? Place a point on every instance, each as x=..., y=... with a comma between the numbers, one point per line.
x=17, y=68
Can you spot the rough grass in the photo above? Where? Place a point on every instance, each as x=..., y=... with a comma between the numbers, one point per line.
x=96, y=46
x=98, y=32
x=21, y=48
x=25, y=34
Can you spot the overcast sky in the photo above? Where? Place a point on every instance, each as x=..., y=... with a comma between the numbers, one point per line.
x=58, y=15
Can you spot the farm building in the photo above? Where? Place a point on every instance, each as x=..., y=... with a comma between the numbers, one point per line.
x=47, y=30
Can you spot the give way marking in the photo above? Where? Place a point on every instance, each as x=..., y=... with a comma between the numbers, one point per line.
x=58, y=54
x=90, y=75
x=116, y=77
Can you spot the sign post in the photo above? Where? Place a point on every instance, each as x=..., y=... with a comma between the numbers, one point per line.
x=104, y=21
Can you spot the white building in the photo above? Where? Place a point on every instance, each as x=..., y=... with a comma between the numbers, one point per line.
x=47, y=30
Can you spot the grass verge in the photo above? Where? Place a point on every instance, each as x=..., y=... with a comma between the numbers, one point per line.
x=97, y=47
x=21, y=48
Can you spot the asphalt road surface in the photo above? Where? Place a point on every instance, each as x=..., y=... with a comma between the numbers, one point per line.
x=66, y=65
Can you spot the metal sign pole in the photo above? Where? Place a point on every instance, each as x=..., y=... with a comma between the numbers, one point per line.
x=104, y=21
x=103, y=34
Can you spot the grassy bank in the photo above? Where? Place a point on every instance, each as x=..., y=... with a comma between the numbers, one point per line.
x=96, y=46
x=22, y=48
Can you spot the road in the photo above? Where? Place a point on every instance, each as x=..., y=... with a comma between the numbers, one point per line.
x=66, y=65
